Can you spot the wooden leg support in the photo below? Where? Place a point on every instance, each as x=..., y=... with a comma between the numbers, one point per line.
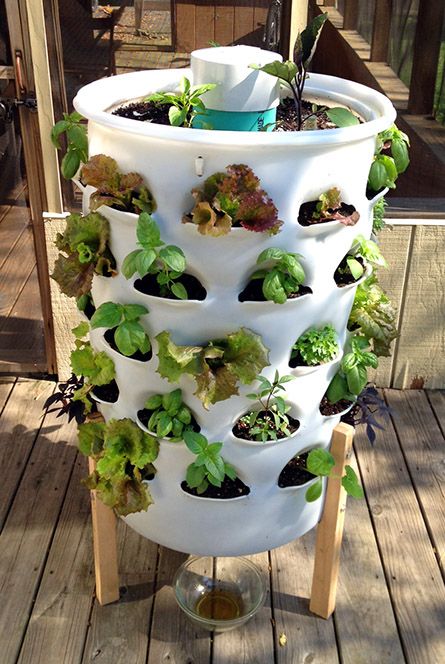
x=105, y=549
x=330, y=528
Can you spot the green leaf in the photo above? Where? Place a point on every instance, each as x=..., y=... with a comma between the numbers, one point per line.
x=104, y=369
x=179, y=290
x=148, y=232
x=129, y=264
x=272, y=253
x=355, y=267
x=133, y=311
x=273, y=288
x=399, y=152
x=78, y=137
x=129, y=337
x=107, y=315
x=171, y=402
x=308, y=39
x=82, y=361
x=177, y=116
x=175, y=360
x=58, y=129
x=338, y=388
x=245, y=355
x=91, y=438
x=153, y=402
x=293, y=266
x=285, y=71
x=81, y=330
x=70, y=164
x=173, y=257
x=164, y=425
x=351, y=484
x=144, y=260
x=195, y=476
x=377, y=176
x=314, y=492
x=195, y=442
x=320, y=462
x=342, y=117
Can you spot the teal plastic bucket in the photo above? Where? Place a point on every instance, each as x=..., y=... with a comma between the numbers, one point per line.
x=236, y=120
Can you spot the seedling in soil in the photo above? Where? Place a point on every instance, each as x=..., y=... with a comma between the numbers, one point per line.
x=129, y=334
x=167, y=416
x=316, y=346
x=185, y=105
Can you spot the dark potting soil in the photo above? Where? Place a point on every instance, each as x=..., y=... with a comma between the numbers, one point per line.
x=343, y=276
x=228, y=489
x=140, y=357
x=352, y=416
x=253, y=292
x=327, y=408
x=294, y=473
x=108, y=392
x=297, y=361
x=144, y=416
x=144, y=111
x=89, y=309
x=147, y=111
x=307, y=210
x=242, y=429
x=149, y=286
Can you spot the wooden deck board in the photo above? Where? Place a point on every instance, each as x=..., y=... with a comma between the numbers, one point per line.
x=15, y=272
x=391, y=596
x=411, y=569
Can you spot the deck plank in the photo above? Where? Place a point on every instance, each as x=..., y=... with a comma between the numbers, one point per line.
x=254, y=643
x=15, y=272
x=423, y=448
x=19, y=426
x=412, y=572
x=29, y=528
x=361, y=568
x=6, y=386
x=437, y=401
x=173, y=638
x=13, y=225
x=308, y=638
x=22, y=333
x=119, y=631
x=59, y=619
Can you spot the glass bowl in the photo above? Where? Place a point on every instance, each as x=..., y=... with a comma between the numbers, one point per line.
x=219, y=594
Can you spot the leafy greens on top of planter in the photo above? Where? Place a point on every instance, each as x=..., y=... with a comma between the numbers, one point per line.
x=373, y=316
x=122, y=191
x=124, y=456
x=185, y=105
x=77, y=142
x=167, y=263
x=284, y=276
x=316, y=346
x=209, y=466
x=233, y=199
x=85, y=243
x=216, y=367
x=129, y=334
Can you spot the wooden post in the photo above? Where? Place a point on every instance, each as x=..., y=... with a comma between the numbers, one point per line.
x=350, y=15
x=381, y=28
x=330, y=528
x=105, y=549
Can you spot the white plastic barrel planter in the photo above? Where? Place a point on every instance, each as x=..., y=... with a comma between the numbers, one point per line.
x=293, y=167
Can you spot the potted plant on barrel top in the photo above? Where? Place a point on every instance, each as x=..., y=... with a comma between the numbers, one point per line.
x=230, y=204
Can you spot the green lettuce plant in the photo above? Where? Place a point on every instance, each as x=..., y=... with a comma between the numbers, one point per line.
x=185, y=105
x=84, y=252
x=391, y=158
x=283, y=276
x=321, y=464
x=373, y=316
x=316, y=346
x=352, y=376
x=216, y=367
x=122, y=191
x=77, y=142
x=233, y=199
x=271, y=421
x=170, y=417
x=167, y=262
x=124, y=456
x=209, y=466
x=129, y=334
